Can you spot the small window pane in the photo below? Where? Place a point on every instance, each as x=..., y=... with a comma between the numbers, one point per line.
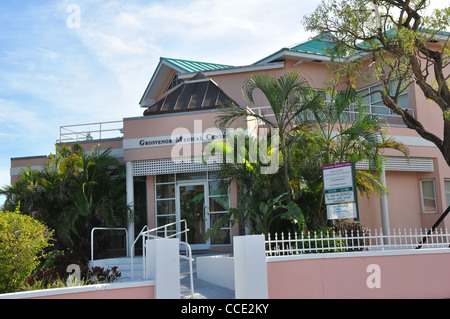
x=215, y=189
x=218, y=204
x=165, y=178
x=364, y=99
x=221, y=237
x=447, y=192
x=165, y=207
x=215, y=217
x=164, y=220
x=403, y=101
x=191, y=176
x=165, y=191
x=428, y=197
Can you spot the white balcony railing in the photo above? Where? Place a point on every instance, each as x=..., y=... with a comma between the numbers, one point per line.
x=352, y=112
x=90, y=131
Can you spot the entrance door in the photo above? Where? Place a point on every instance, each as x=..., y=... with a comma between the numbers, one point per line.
x=192, y=205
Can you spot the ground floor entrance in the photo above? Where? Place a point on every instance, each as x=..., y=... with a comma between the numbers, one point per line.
x=192, y=206
x=200, y=199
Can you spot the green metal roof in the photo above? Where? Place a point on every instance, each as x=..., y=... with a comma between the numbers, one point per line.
x=195, y=66
x=317, y=45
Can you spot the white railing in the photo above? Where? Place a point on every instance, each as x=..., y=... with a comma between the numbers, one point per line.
x=352, y=112
x=332, y=241
x=90, y=131
x=166, y=232
x=104, y=228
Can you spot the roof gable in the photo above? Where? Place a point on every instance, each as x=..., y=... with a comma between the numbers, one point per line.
x=315, y=48
x=199, y=93
x=165, y=66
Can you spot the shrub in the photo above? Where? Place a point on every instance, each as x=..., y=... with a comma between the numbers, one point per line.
x=22, y=242
x=100, y=275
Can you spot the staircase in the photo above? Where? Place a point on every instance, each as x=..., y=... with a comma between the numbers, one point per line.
x=124, y=267
x=203, y=289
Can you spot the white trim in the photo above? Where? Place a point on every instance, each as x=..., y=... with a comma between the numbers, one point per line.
x=76, y=290
x=234, y=70
x=412, y=140
x=378, y=253
x=403, y=164
x=289, y=53
x=175, y=139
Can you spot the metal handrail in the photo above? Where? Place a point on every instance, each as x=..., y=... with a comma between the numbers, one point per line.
x=132, y=251
x=105, y=228
x=147, y=235
x=165, y=227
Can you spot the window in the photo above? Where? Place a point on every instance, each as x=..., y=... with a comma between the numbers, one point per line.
x=166, y=211
x=429, y=204
x=375, y=102
x=447, y=191
x=174, y=82
x=165, y=202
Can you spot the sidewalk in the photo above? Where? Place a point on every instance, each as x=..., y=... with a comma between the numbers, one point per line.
x=202, y=288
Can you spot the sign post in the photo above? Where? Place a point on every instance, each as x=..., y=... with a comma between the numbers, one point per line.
x=341, y=198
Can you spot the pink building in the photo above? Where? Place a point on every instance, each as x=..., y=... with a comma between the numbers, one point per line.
x=164, y=173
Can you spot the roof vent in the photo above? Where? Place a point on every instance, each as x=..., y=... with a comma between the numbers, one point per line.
x=316, y=61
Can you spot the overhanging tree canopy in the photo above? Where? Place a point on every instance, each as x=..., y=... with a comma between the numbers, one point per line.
x=403, y=44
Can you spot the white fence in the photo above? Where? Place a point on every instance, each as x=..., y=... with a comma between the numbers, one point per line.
x=344, y=241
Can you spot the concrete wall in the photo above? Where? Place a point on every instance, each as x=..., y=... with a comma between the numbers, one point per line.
x=128, y=290
x=361, y=275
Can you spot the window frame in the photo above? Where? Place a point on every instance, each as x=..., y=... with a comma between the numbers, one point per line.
x=423, y=198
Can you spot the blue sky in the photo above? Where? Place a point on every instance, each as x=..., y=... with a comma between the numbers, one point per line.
x=53, y=75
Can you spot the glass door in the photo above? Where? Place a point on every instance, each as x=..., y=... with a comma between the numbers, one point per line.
x=192, y=205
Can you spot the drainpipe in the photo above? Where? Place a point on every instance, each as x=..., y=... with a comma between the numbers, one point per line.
x=384, y=210
x=130, y=202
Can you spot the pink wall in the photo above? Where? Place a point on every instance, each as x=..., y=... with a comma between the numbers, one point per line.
x=411, y=275
x=404, y=203
x=154, y=126
x=120, y=290
x=126, y=293
x=232, y=84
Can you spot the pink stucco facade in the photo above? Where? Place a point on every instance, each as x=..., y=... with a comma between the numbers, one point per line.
x=382, y=275
x=111, y=291
x=405, y=198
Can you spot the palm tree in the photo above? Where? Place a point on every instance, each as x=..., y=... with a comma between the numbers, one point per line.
x=76, y=191
x=288, y=96
x=337, y=137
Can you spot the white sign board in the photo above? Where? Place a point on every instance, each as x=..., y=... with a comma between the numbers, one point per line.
x=341, y=211
x=338, y=183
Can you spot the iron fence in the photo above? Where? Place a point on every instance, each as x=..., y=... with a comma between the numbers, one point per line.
x=348, y=241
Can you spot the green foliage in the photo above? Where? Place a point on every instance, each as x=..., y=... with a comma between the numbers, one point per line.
x=313, y=132
x=75, y=192
x=399, y=44
x=259, y=218
x=22, y=241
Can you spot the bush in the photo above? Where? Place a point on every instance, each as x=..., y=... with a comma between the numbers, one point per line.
x=22, y=242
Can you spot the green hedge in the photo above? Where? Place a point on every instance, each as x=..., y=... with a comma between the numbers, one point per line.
x=22, y=242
